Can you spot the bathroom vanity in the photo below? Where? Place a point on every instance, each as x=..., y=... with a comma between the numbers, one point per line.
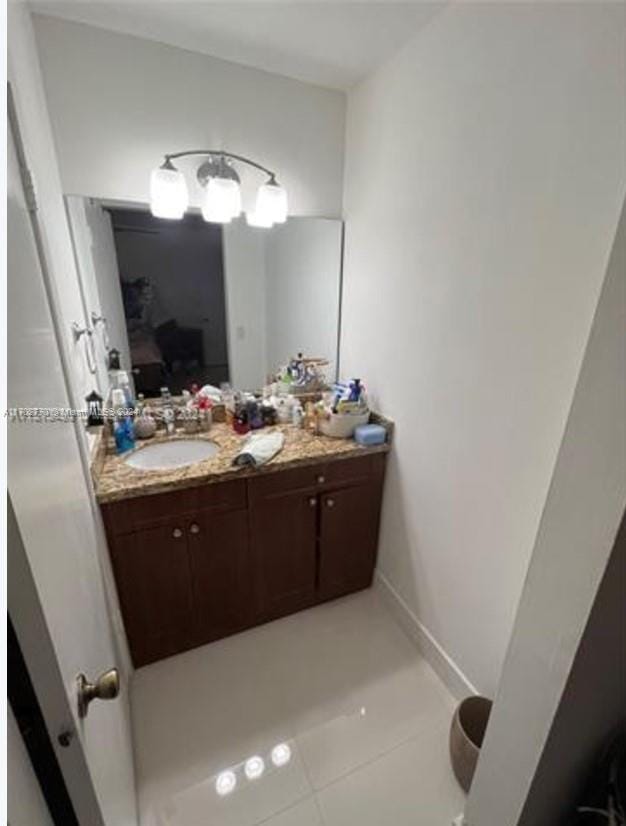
x=205, y=551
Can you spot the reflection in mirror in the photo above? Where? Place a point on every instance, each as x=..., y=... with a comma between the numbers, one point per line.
x=193, y=302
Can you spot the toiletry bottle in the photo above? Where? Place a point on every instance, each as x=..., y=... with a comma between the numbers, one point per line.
x=355, y=390
x=310, y=418
x=297, y=415
x=167, y=411
x=229, y=401
x=123, y=384
x=255, y=417
x=123, y=431
x=114, y=369
x=241, y=424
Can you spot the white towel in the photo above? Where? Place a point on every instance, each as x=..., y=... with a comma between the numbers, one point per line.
x=260, y=448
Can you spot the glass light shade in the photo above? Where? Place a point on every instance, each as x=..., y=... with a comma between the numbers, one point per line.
x=168, y=193
x=253, y=219
x=271, y=203
x=222, y=200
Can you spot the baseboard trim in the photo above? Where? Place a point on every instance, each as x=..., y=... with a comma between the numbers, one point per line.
x=454, y=679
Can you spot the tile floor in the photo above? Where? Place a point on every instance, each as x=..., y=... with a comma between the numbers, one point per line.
x=363, y=715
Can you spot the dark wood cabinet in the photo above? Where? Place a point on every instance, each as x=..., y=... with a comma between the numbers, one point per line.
x=284, y=550
x=196, y=565
x=155, y=587
x=348, y=539
x=221, y=573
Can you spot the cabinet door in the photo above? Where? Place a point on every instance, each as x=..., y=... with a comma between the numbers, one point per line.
x=219, y=557
x=348, y=539
x=154, y=583
x=283, y=530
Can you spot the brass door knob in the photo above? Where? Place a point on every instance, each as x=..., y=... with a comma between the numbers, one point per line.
x=106, y=687
x=321, y=480
x=330, y=503
x=195, y=528
x=177, y=533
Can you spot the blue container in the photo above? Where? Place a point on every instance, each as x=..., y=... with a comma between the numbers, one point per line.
x=370, y=434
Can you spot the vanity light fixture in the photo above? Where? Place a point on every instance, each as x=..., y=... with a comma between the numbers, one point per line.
x=221, y=202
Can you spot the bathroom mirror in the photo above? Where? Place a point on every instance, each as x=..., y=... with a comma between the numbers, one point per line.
x=194, y=302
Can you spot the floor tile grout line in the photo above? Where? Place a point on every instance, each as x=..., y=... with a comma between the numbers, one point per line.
x=310, y=782
x=369, y=762
x=310, y=793
x=318, y=806
x=278, y=812
x=432, y=723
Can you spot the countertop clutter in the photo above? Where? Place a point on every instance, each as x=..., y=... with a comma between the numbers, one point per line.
x=115, y=480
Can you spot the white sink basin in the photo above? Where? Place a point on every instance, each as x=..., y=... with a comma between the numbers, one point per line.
x=168, y=455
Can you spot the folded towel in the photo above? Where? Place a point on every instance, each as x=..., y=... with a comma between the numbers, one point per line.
x=260, y=448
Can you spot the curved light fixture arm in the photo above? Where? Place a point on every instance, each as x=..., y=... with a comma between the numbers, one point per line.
x=217, y=153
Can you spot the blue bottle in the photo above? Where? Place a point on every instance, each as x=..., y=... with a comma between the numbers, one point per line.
x=123, y=430
x=124, y=434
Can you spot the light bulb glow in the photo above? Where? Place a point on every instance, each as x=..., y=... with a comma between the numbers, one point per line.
x=271, y=203
x=225, y=783
x=222, y=200
x=254, y=767
x=281, y=754
x=168, y=193
x=253, y=219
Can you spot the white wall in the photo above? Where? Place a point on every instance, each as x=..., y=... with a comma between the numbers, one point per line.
x=577, y=533
x=25, y=802
x=303, y=271
x=484, y=175
x=138, y=99
x=246, y=289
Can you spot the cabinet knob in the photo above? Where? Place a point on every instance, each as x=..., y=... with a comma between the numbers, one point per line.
x=195, y=528
x=177, y=533
x=313, y=501
x=330, y=503
x=321, y=480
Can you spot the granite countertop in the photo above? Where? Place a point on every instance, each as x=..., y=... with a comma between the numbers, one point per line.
x=115, y=480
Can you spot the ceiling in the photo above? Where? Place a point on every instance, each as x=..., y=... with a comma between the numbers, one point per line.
x=328, y=43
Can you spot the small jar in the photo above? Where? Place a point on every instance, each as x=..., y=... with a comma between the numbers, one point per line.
x=145, y=427
x=191, y=422
x=240, y=425
x=205, y=420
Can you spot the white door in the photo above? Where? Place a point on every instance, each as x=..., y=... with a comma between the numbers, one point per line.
x=52, y=547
